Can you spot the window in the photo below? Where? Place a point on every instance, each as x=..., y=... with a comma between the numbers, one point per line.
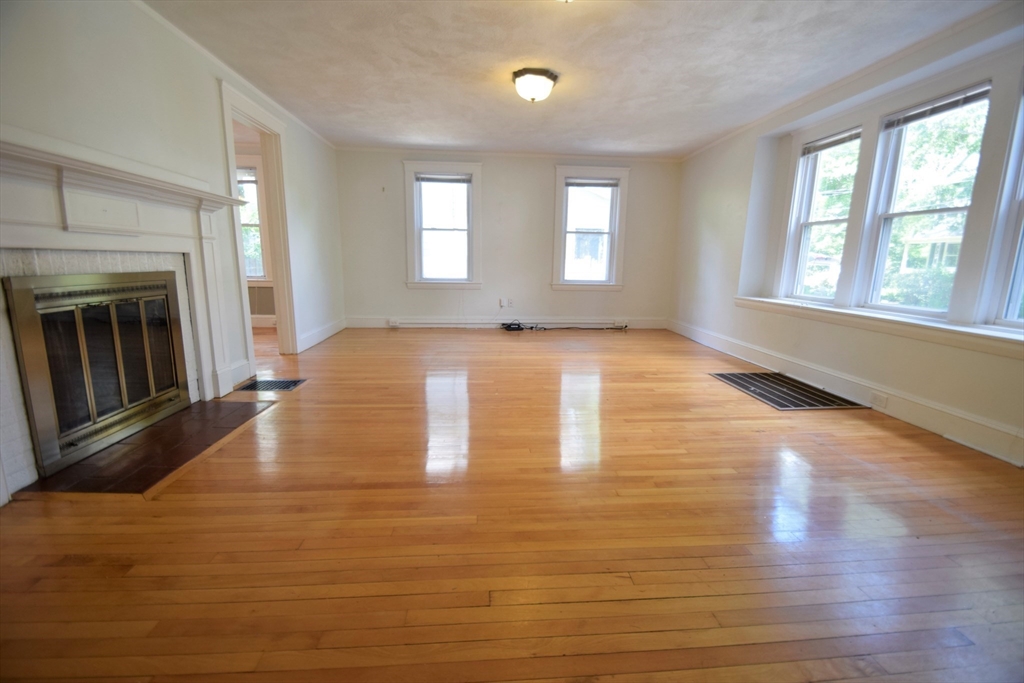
x=1014, y=310
x=256, y=262
x=824, y=189
x=932, y=159
x=591, y=203
x=442, y=221
x=1012, y=305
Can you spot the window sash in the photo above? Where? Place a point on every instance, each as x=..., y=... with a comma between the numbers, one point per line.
x=613, y=219
x=460, y=179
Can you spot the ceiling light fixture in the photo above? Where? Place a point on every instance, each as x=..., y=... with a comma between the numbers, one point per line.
x=534, y=84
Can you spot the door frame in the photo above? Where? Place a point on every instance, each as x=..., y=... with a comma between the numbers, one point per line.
x=238, y=107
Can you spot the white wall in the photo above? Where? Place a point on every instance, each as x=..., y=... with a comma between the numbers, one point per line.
x=972, y=396
x=518, y=223
x=124, y=88
x=113, y=84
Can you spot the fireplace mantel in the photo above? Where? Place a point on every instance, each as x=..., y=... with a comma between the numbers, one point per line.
x=75, y=179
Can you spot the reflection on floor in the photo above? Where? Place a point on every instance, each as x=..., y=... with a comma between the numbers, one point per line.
x=474, y=505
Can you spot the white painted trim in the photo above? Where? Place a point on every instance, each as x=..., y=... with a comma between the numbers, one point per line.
x=264, y=320
x=1000, y=342
x=617, y=234
x=596, y=287
x=191, y=42
x=18, y=160
x=241, y=371
x=320, y=334
x=494, y=322
x=994, y=438
x=235, y=105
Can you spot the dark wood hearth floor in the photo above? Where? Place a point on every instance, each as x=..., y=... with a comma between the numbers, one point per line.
x=138, y=462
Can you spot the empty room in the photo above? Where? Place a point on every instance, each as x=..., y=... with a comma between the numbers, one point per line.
x=602, y=341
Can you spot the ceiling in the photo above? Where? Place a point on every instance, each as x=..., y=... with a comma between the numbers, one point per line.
x=637, y=77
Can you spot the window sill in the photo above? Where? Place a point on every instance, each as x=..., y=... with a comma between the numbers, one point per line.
x=440, y=284
x=580, y=287
x=254, y=282
x=986, y=339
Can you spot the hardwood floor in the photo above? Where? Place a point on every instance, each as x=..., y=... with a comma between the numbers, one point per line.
x=476, y=505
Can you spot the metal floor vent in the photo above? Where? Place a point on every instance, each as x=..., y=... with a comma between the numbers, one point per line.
x=784, y=393
x=271, y=385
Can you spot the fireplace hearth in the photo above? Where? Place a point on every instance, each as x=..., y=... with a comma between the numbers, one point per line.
x=100, y=357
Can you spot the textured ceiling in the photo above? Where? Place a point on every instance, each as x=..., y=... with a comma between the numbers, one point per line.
x=637, y=77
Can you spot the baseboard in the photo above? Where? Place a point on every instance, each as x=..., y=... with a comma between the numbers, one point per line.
x=991, y=437
x=264, y=320
x=313, y=338
x=496, y=321
x=241, y=371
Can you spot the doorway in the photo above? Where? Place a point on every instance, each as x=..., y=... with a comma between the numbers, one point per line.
x=257, y=250
x=253, y=141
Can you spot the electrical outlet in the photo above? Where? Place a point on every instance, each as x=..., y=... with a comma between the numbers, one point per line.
x=392, y=322
x=510, y=303
x=501, y=302
x=878, y=400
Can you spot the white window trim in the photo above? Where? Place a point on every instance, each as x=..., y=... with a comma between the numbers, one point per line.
x=251, y=161
x=1011, y=213
x=616, y=250
x=971, y=321
x=412, y=237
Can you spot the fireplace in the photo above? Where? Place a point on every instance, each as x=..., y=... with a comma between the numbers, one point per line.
x=100, y=357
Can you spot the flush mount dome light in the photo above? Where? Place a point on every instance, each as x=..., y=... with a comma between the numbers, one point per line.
x=534, y=84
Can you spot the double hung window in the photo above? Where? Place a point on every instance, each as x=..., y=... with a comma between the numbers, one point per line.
x=256, y=262
x=443, y=224
x=932, y=154
x=589, y=229
x=824, y=189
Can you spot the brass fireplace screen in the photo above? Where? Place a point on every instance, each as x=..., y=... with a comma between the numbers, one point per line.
x=100, y=356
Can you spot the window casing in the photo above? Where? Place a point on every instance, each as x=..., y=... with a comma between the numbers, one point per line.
x=824, y=188
x=443, y=224
x=589, y=227
x=1011, y=305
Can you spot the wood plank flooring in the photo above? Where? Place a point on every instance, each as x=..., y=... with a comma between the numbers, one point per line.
x=476, y=505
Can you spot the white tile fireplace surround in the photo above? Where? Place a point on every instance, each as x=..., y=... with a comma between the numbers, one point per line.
x=63, y=216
